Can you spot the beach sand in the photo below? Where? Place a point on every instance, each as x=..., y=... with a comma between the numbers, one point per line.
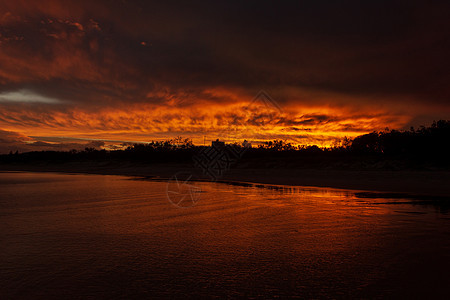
x=432, y=183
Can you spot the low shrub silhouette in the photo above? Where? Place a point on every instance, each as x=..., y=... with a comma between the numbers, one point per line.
x=423, y=148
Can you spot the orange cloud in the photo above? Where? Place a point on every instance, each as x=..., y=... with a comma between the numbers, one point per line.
x=232, y=121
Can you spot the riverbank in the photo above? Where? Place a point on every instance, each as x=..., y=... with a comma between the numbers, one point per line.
x=433, y=183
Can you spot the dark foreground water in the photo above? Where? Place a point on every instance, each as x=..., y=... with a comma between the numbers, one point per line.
x=93, y=236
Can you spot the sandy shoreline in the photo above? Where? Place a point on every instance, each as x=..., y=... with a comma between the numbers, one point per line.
x=434, y=183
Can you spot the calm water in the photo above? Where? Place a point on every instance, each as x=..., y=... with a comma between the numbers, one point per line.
x=93, y=236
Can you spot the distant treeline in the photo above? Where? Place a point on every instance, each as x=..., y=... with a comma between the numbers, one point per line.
x=422, y=148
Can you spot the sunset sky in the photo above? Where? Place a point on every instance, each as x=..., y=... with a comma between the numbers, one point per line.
x=100, y=73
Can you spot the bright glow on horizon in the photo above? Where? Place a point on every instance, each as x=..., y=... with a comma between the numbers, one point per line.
x=233, y=122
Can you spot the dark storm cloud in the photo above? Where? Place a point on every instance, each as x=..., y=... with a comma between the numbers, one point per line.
x=123, y=50
x=381, y=47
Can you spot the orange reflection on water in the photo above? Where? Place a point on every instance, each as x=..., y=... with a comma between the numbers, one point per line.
x=276, y=241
